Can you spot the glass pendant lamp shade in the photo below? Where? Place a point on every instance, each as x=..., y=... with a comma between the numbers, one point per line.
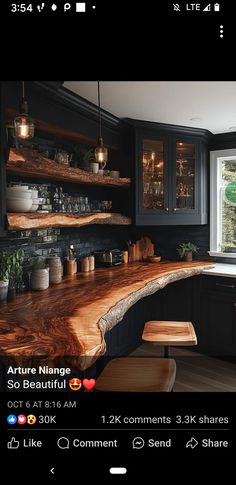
x=23, y=123
x=101, y=152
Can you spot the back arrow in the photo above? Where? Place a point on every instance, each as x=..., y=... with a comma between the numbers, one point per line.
x=52, y=470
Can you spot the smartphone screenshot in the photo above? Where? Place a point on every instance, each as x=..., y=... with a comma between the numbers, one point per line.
x=117, y=241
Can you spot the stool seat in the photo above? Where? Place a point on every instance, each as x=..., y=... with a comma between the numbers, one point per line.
x=137, y=374
x=168, y=333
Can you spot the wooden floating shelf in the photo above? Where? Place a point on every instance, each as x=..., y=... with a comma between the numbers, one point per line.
x=29, y=220
x=28, y=163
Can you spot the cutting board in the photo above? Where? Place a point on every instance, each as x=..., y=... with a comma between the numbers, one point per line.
x=144, y=248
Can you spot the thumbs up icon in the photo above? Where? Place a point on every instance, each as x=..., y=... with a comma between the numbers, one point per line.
x=13, y=444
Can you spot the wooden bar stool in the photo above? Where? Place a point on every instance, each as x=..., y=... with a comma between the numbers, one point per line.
x=169, y=334
x=137, y=374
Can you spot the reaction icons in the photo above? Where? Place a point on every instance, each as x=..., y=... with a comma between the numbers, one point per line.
x=192, y=443
x=11, y=419
x=21, y=419
x=138, y=443
x=31, y=419
x=176, y=7
x=13, y=444
x=63, y=443
x=75, y=384
x=221, y=31
x=89, y=384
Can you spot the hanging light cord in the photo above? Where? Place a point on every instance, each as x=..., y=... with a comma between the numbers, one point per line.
x=99, y=111
x=23, y=89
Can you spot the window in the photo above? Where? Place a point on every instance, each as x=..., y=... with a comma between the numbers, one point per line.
x=223, y=204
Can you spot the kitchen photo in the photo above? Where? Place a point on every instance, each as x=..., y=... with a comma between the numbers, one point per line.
x=118, y=235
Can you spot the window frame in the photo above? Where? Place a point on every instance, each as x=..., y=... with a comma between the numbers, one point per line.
x=216, y=158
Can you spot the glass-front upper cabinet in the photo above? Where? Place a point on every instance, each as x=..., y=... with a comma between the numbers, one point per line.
x=185, y=176
x=153, y=174
x=171, y=176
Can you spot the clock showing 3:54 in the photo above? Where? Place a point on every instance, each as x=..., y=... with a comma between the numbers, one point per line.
x=21, y=7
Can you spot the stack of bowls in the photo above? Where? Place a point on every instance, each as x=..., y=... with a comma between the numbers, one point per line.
x=35, y=201
x=21, y=199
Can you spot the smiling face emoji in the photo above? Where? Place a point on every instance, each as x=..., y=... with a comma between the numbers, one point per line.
x=75, y=384
x=31, y=419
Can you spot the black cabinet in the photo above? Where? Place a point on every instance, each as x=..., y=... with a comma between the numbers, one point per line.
x=3, y=158
x=218, y=316
x=171, y=173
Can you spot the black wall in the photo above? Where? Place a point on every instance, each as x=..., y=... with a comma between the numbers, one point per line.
x=50, y=102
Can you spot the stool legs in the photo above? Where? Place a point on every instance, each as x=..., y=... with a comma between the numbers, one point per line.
x=166, y=351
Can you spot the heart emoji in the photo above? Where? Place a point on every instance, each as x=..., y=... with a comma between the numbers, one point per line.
x=89, y=384
x=21, y=419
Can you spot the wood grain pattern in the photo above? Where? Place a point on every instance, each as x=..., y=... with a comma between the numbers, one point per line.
x=169, y=333
x=134, y=374
x=29, y=163
x=71, y=318
x=35, y=220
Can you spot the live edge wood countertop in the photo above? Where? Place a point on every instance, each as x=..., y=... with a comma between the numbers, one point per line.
x=71, y=318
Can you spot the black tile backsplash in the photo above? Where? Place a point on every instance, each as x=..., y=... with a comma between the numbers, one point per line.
x=92, y=238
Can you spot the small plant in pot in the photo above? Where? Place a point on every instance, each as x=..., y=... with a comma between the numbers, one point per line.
x=11, y=270
x=4, y=275
x=39, y=278
x=16, y=272
x=186, y=251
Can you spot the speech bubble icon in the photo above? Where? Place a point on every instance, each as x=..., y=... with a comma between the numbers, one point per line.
x=67, y=6
x=63, y=443
x=138, y=443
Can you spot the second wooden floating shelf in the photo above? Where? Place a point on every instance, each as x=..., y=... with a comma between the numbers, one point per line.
x=21, y=221
x=28, y=163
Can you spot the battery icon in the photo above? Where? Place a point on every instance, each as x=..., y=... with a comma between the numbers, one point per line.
x=217, y=7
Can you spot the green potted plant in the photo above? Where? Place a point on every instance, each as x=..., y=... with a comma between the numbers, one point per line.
x=11, y=268
x=16, y=272
x=4, y=274
x=186, y=251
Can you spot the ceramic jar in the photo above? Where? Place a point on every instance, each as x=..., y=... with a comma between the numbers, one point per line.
x=55, y=269
x=85, y=265
x=71, y=266
x=3, y=290
x=39, y=279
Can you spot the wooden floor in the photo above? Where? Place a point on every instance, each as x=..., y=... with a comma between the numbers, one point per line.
x=195, y=372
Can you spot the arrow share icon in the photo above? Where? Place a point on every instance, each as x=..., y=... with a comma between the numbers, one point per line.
x=192, y=443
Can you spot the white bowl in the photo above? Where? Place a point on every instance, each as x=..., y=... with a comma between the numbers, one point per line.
x=19, y=205
x=34, y=194
x=34, y=207
x=19, y=187
x=35, y=201
x=18, y=194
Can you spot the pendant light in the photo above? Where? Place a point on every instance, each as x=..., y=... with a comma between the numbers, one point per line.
x=23, y=124
x=101, y=152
